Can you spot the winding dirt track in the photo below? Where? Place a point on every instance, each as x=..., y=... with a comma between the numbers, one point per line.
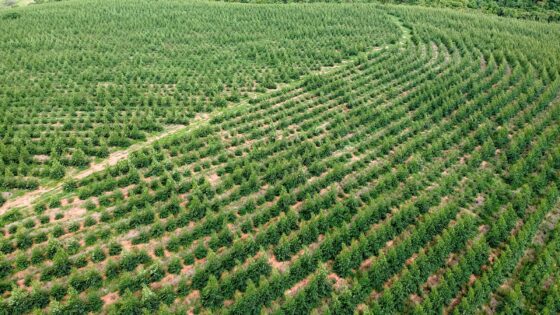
x=27, y=199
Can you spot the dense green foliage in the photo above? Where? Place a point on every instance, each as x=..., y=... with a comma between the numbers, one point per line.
x=80, y=80
x=418, y=173
x=546, y=11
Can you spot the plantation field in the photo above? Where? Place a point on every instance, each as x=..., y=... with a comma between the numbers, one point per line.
x=228, y=158
x=75, y=92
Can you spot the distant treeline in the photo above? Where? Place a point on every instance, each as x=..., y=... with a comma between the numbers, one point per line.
x=547, y=10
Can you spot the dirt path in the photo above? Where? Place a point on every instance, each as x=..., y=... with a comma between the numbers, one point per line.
x=27, y=199
x=24, y=200
x=117, y=156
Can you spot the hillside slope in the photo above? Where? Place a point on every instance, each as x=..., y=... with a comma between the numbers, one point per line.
x=410, y=163
x=84, y=79
x=545, y=11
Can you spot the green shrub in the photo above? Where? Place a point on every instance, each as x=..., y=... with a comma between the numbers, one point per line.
x=58, y=291
x=115, y=248
x=83, y=280
x=90, y=205
x=98, y=255
x=175, y=266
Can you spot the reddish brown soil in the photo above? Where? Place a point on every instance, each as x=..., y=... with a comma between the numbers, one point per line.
x=293, y=290
x=281, y=266
x=110, y=298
